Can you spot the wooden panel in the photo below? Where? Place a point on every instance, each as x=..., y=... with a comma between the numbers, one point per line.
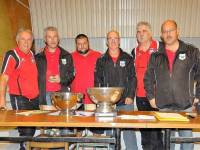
x=12, y=17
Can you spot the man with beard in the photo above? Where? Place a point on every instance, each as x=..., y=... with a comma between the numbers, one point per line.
x=171, y=74
x=84, y=60
x=116, y=69
x=151, y=138
x=55, y=67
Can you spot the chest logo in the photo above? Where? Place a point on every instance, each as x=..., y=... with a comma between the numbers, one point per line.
x=122, y=63
x=182, y=56
x=64, y=62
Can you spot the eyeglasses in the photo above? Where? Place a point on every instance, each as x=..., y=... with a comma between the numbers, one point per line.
x=113, y=39
x=168, y=31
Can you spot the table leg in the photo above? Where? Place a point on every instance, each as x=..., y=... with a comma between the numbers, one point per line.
x=118, y=139
x=167, y=139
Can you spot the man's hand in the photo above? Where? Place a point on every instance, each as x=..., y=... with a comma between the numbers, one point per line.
x=128, y=101
x=2, y=103
x=153, y=103
x=196, y=100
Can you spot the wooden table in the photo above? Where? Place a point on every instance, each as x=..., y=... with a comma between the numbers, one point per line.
x=9, y=118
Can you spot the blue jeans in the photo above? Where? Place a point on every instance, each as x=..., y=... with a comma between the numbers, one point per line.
x=48, y=98
x=181, y=133
x=129, y=135
x=22, y=103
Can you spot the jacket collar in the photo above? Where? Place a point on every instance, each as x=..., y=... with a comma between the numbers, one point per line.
x=62, y=52
x=181, y=49
x=121, y=54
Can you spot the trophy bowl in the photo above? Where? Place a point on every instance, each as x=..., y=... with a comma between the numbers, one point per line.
x=105, y=97
x=65, y=101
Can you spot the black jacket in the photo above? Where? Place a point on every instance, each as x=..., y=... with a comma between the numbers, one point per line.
x=121, y=74
x=174, y=90
x=66, y=69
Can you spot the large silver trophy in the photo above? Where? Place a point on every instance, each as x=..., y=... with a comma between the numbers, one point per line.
x=105, y=98
x=65, y=101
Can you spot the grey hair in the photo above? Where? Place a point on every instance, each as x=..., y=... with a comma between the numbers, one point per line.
x=115, y=31
x=49, y=28
x=23, y=30
x=143, y=23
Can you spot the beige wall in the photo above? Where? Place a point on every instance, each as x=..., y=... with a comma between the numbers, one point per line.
x=12, y=17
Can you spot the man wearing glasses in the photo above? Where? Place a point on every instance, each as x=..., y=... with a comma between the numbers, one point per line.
x=116, y=69
x=171, y=74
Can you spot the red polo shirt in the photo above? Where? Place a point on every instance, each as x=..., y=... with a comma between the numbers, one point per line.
x=141, y=62
x=84, y=68
x=26, y=74
x=52, y=69
x=170, y=55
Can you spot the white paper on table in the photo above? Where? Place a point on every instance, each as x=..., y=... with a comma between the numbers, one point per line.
x=137, y=117
x=56, y=113
x=84, y=113
x=146, y=117
x=32, y=112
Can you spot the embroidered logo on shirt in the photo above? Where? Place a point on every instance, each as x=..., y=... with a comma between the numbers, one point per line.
x=64, y=61
x=122, y=63
x=182, y=56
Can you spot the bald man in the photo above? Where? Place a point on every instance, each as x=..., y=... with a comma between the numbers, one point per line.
x=172, y=71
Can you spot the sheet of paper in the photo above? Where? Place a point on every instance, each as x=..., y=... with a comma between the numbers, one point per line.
x=56, y=113
x=84, y=113
x=146, y=117
x=162, y=116
x=128, y=117
x=137, y=117
x=32, y=112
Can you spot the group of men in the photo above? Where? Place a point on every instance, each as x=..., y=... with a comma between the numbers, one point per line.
x=162, y=75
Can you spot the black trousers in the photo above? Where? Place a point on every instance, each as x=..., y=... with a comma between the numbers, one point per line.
x=23, y=103
x=152, y=139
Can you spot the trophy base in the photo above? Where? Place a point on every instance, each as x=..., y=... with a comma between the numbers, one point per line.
x=106, y=114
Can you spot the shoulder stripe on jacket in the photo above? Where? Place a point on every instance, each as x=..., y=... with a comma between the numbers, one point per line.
x=8, y=55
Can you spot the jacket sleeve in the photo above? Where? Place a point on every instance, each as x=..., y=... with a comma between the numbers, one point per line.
x=98, y=74
x=149, y=79
x=197, y=74
x=67, y=71
x=131, y=80
x=133, y=53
